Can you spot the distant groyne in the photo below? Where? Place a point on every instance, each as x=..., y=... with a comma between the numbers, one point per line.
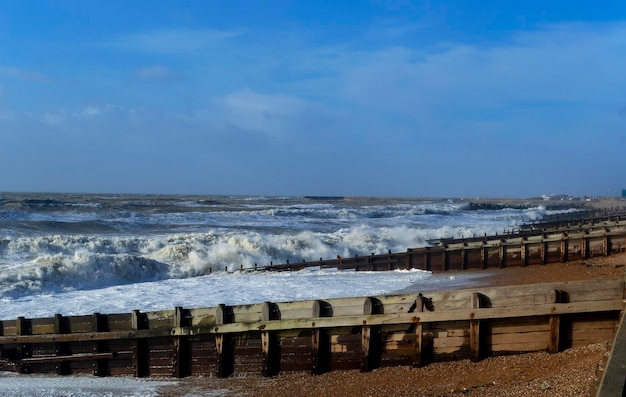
x=530, y=245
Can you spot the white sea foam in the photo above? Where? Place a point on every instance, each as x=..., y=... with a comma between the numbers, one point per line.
x=211, y=290
x=83, y=242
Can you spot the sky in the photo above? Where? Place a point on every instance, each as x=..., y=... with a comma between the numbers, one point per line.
x=360, y=98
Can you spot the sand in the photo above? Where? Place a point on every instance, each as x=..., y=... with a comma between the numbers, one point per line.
x=572, y=372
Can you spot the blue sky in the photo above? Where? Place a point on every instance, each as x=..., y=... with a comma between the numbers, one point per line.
x=379, y=98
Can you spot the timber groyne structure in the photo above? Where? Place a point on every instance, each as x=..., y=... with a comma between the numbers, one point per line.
x=348, y=333
x=539, y=245
x=319, y=335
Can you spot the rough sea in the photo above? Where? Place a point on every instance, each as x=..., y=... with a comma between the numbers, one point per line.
x=82, y=253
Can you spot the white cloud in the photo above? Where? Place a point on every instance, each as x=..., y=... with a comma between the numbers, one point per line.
x=173, y=41
x=157, y=73
x=559, y=66
x=91, y=111
x=21, y=74
x=274, y=115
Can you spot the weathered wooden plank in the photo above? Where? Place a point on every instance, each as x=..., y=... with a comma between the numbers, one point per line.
x=519, y=325
x=519, y=347
x=454, y=341
x=542, y=337
x=578, y=325
x=73, y=357
x=382, y=319
x=451, y=350
x=593, y=335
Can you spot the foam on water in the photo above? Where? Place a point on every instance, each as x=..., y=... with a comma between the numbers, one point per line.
x=20, y=385
x=211, y=290
x=86, y=242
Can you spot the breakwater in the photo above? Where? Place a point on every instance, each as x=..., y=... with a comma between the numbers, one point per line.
x=318, y=335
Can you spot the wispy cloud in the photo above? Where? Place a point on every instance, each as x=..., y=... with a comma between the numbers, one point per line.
x=274, y=115
x=157, y=73
x=24, y=75
x=172, y=41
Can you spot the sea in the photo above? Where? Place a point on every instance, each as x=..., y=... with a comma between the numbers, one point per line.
x=77, y=254
x=105, y=252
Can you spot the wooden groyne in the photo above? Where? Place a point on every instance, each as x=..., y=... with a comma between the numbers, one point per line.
x=520, y=248
x=317, y=335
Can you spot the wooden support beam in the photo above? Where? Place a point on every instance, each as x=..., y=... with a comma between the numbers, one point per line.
x=99, y=323
x=564, y=247
x=501, y=253
x=444, y=258
x=523, y=252
x=370, y=336
x=555, y=325
x=483, y=256
x=372, y=348
x=420, y=350
x=224, y=344
x=605, y=241
x=474, y=330
x=320, y=351
x=181, y=356
x=409, y=259
x=463, y=257
x=62, y=349
x=24, y=350
x=320, y=341
x=140, y=347
x=269, y=341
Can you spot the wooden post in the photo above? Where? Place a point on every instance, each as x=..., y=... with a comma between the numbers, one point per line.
x=140, y=349
x=409, y=257
x=269, y=341
x=523, y=253
x=224, y=343
x=181, y=358
x=501, y=254
x=444, y=258
x=554, y=344
x=585, y=245
x=544, y=251
x=483, y=256
x=419, y=348
x=463, y=257
x=474, y=330
x=370, y=337
x=320, y=351
x=320, y=343
x=555, y=325
x=564, y=247
x=605, y=241
x=62, y=348
x=99, y=324
x=24, y=350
